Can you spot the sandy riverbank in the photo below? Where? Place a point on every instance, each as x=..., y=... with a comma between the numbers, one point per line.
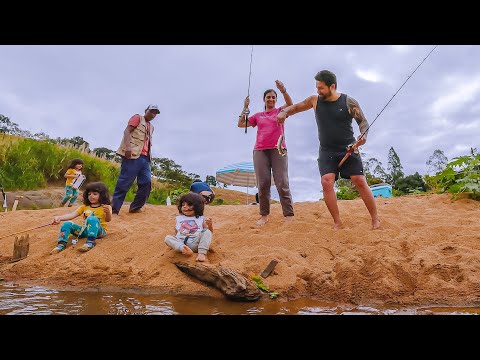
x=426, y=253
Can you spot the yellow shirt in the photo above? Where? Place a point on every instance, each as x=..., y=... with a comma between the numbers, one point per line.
x=97, y=211
x=71, y=172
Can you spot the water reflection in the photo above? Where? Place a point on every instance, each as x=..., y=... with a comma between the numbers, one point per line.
x=43, y=301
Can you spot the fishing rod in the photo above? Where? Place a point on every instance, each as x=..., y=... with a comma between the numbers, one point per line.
x=247, y=110
x=19, y=232
x=352, y=147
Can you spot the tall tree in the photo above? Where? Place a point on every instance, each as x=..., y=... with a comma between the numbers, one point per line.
x=169, y=171
x=374, y=170
x=379, y=172
x=104, y=152
x=7, y=126
x=394, y=167
x=211, y=180
x=78, y=141
x=411, y=183
x=437, y=162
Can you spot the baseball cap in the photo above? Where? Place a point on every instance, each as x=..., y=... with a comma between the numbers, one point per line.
x=153, y=107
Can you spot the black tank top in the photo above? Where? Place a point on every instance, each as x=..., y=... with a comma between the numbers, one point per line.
x=334, y=124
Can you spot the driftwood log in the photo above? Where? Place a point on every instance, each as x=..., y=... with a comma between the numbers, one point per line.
x=20, y=247
x=234, y=285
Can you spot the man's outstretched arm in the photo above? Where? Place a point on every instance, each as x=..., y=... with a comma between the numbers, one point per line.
x=306, y=104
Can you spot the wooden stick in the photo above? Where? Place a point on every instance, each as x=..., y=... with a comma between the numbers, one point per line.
x=15, y=204
x=20, y=248
x=37, y=227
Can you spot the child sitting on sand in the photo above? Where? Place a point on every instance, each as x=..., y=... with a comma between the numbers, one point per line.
x=192, y=233
x=96, y=213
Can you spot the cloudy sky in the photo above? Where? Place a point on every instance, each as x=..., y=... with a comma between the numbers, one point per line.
x=91, y=91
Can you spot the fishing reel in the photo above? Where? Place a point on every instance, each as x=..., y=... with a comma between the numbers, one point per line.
x=246, y=112
x=352, y=146
x=281, y=150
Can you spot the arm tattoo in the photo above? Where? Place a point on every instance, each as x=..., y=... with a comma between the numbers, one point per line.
x=357, y=113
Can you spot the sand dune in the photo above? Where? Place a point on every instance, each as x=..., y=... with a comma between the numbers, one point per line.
x=426, y=253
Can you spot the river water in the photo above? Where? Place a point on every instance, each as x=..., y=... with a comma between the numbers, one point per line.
x=36, y=300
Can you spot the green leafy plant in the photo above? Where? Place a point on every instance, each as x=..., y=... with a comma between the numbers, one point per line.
x=411, y=184
x=346, y=193
x=218, y=201
x=177, y=193
x=259, y=282
x=462, y=175
x=431, y=184
x=346, y=190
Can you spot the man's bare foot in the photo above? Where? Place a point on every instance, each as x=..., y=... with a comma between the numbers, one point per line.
x=376, y=224
x=186, y=250
x=338, y=225
x=201, y=257
x=288, y=219
x=263, y=220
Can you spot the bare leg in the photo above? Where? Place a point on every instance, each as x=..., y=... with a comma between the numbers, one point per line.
x=366, y=194
x=328, y=180
x=186, y=250
x=263, y=220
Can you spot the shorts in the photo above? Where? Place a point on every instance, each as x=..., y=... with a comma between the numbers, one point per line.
x=328, y=164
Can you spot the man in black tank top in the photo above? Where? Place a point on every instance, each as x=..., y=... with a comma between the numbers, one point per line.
x=334, y=113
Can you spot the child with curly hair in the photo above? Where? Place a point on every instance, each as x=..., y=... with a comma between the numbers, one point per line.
x=74, y=171
x=96, y=212
x=191, y=232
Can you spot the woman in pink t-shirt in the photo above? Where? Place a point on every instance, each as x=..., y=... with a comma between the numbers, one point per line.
x=266, y=158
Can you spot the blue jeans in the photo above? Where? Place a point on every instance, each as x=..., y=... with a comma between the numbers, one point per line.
x=131, y=169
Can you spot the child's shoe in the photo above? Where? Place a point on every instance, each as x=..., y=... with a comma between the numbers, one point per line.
x=57, y=249
x=86, y=247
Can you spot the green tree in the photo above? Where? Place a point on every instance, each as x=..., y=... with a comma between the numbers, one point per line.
x=374, y=172
x=211, y=180
x=345, y=189
x=7, y=126
x=169, y=171
x=41, y=136
x=462, y=174
x=104, y=152
x=394, y=167
x=380, y=172
x=411, y=184
x=437, y=162
x=78, y=141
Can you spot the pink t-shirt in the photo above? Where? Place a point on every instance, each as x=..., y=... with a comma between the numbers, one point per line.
x=135, y=121
x=268, y=130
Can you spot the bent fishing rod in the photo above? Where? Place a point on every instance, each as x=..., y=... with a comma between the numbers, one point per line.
x=352, y=147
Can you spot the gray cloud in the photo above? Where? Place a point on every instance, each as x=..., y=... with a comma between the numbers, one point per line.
x=91, y=91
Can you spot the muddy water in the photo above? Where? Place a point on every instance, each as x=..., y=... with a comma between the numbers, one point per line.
x=16, y=300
